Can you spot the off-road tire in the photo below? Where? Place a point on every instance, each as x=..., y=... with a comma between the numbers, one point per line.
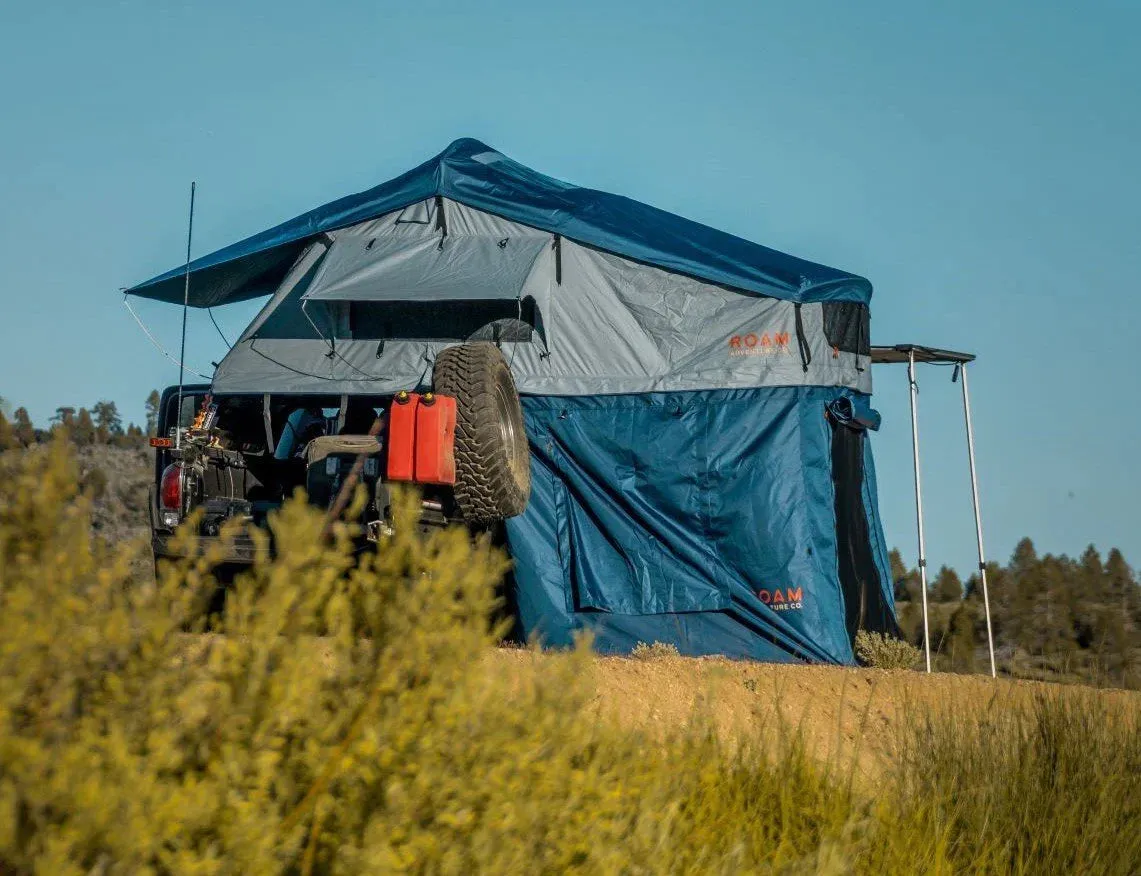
x=493, y=462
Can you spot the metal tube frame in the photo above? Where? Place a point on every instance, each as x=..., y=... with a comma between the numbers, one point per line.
x=978, y=516
x=914, y=387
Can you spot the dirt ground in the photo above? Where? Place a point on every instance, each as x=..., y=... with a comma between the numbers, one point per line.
x=843, y=713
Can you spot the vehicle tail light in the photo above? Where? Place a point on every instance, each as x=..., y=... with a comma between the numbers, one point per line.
x=170, y=489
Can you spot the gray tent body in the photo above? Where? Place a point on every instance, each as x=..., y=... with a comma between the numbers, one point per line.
x=602, y=323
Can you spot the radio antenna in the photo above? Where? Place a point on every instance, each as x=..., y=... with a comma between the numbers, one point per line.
x=185, y=307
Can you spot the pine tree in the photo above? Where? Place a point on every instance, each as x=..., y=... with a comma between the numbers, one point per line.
x=910, y=618
x=906, y=581
x=64, y=416
x=948, y=587
x=153, y=402
x=1121, y=585
x=961, y=637
x=1025, y=590
x=8, y=440
x=898, y=567
x=1089, y=601
x=25, y=431
x=108, y=423
x=1124, y=635
x=83, y=431
x=1024, y=558
x=132, y=437
x=1058, y=639
x=899, y=575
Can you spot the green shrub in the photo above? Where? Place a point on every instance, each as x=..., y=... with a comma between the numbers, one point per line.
x=885, y=652
x=654, y=651
x=341, y=717
x=123, y=740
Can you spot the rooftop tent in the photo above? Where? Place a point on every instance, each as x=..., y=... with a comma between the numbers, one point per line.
x=365, y=309
x=472, y=173
x=697, y=405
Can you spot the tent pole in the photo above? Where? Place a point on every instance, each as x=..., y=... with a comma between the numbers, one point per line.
x=919, y=504
x=978, y=517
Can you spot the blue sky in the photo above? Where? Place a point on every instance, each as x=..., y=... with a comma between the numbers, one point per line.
x=976, y=161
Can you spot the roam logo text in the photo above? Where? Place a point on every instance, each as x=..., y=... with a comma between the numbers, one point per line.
x=764, y=344
x=782, y=599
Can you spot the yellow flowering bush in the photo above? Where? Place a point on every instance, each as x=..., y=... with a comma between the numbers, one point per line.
x=341, y=716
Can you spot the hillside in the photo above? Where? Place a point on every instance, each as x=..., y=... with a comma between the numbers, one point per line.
x=118, y=478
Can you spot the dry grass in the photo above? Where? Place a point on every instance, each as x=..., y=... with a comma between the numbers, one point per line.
x=846, y=716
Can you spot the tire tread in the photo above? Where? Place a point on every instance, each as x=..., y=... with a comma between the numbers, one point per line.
x=486, y=490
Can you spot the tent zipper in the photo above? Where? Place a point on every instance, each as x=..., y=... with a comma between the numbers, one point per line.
x=802, y=339
x=441, y=220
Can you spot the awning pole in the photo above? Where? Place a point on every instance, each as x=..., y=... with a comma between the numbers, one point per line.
x=919, y=504
x=978, y=517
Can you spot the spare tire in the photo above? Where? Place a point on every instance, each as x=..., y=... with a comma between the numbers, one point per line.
x=493, y=462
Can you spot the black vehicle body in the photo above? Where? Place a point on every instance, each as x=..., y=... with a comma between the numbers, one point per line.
x=227, y=457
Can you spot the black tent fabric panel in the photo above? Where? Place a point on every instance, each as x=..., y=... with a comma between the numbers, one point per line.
x=847, y=326
x=865, y=607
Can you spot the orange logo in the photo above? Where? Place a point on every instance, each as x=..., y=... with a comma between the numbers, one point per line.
x=782, y=600
x=765, y=344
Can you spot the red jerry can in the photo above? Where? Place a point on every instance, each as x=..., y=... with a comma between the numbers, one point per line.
x=436, y=439
x=402, y=437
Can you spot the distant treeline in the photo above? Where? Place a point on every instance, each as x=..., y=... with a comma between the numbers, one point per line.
x=101, y=424
x=1053, y=617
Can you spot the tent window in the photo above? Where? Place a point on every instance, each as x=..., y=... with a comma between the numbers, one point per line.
x=494, y=319
x=848, y=327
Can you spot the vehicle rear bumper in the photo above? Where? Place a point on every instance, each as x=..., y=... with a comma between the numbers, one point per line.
x=242, y=551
